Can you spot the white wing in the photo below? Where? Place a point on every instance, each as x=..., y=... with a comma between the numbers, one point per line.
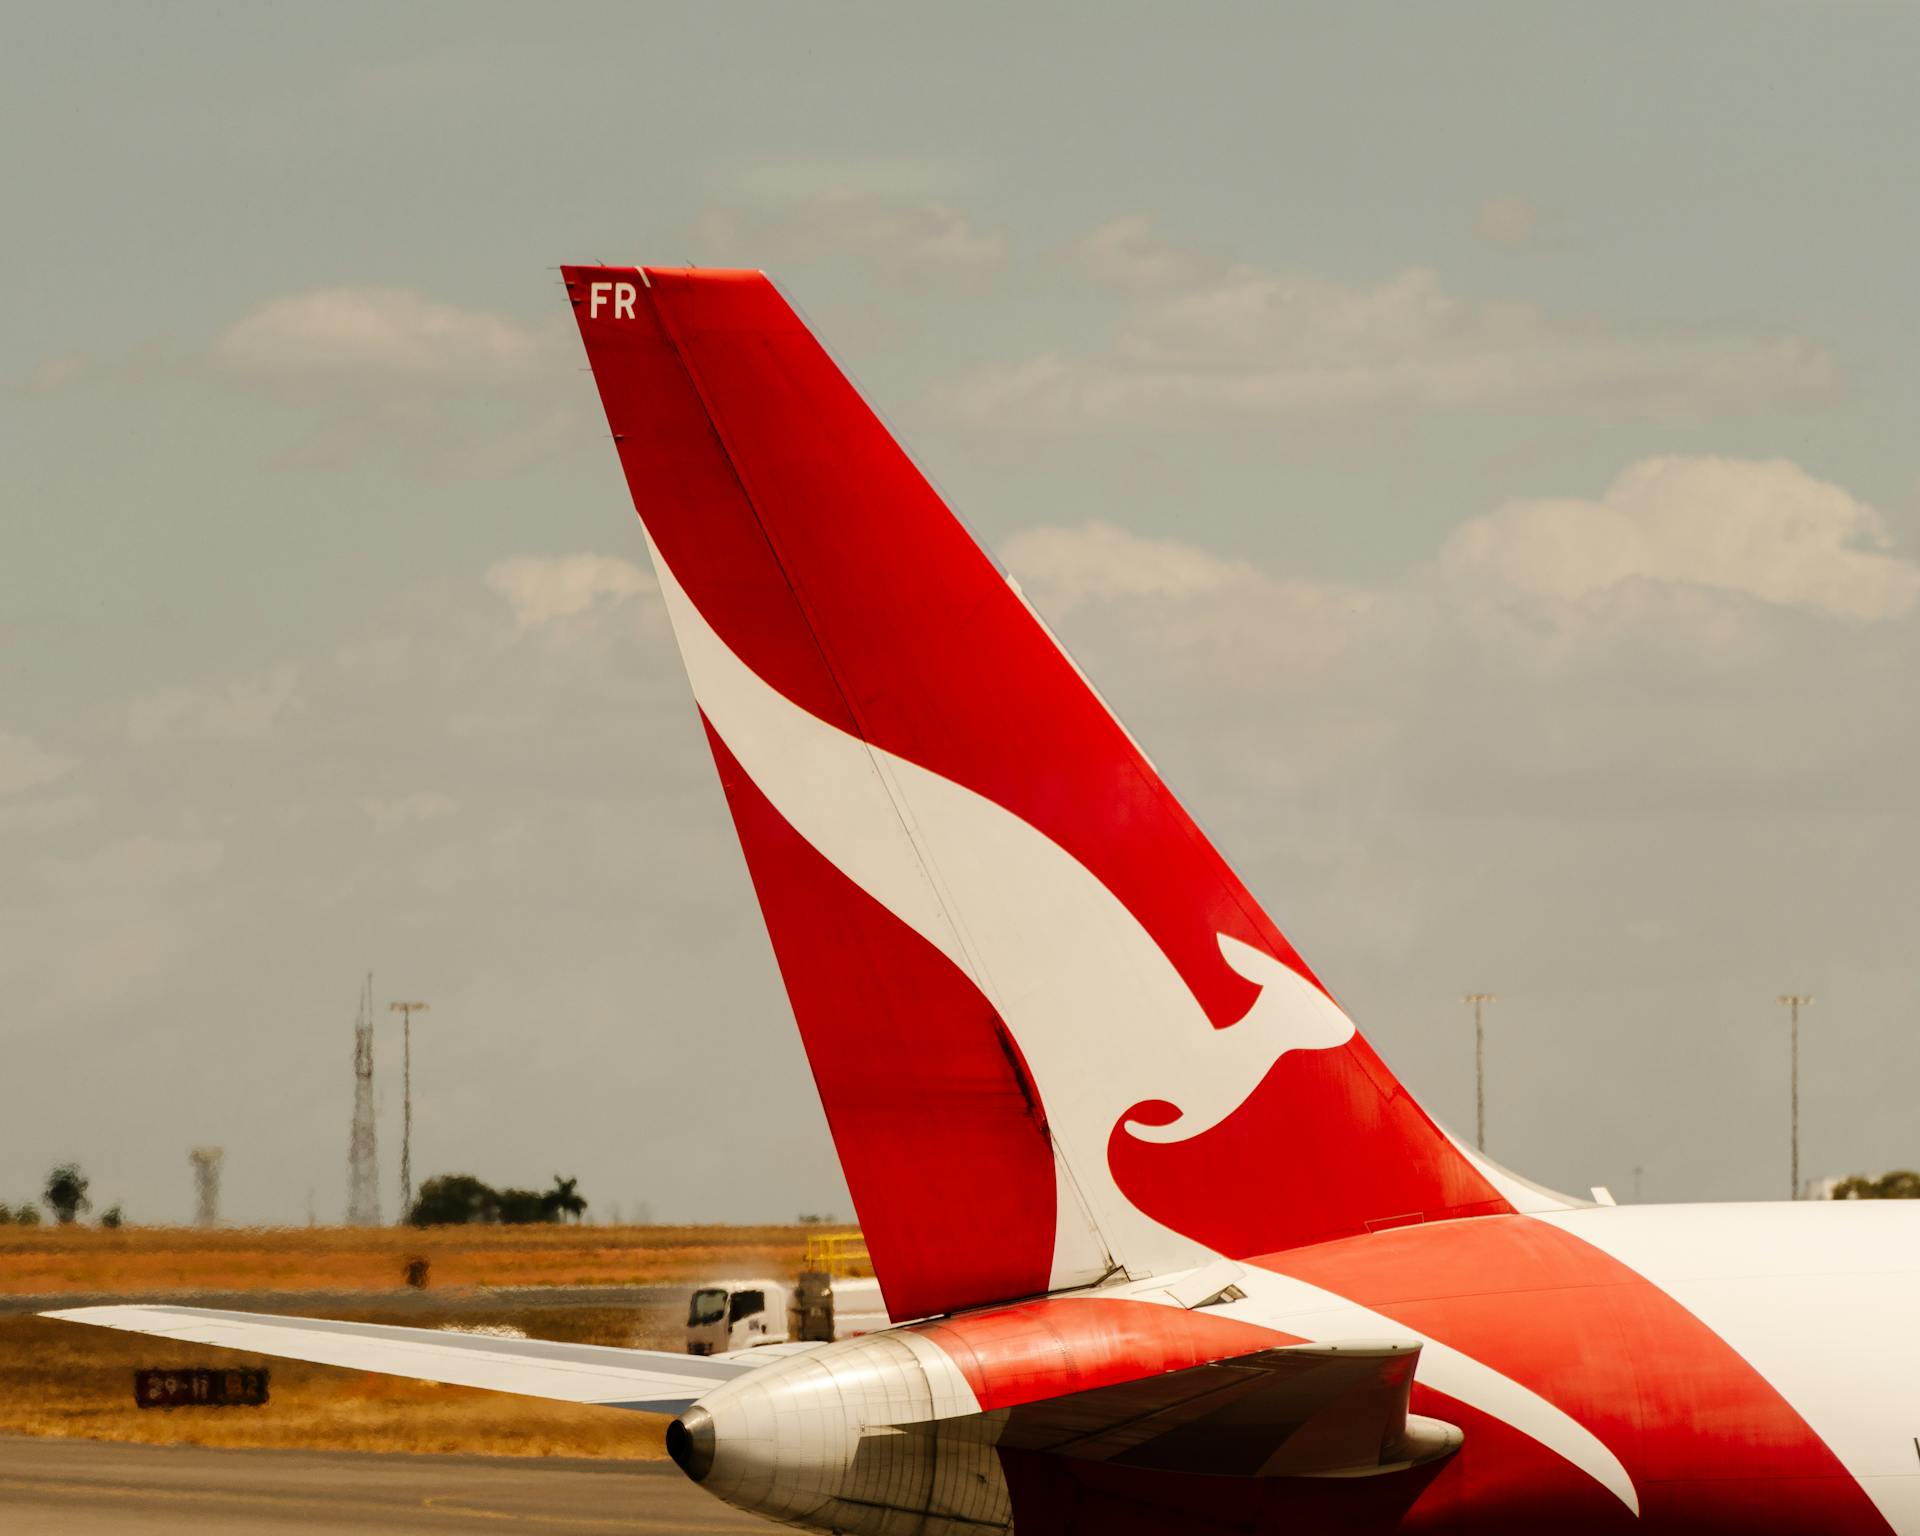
x=651, y=1380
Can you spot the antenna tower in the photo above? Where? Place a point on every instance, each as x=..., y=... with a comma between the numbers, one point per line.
x=363, y=1152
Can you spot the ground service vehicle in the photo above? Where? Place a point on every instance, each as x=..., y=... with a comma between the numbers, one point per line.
x=1187, y=1256
x=725, y=1315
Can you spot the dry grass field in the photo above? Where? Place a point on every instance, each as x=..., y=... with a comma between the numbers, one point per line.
x=76, y=1382
x=53, y=1261
x=67, y=1380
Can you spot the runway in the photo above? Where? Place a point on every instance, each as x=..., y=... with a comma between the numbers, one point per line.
x=89, y=1488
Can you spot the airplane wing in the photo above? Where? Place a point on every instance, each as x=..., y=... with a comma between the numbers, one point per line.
x=1303, y=1410
x=652, y=1381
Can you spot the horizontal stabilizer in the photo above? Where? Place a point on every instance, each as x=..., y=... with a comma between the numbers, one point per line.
x=650, y=1380
x=1304, y=1410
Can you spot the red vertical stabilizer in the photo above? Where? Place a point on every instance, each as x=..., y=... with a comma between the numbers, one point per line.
x=1055, y=1036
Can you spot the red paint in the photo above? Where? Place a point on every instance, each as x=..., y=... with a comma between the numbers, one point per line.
x=1708, y=1442
x=1047, y=1348
x=826, y=563
x=1251, y=1185
x=915, y=1073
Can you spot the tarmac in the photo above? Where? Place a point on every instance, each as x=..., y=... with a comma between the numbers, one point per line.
x=91, y=1488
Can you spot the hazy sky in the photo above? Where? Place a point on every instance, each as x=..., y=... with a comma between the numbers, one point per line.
x=1472, y=446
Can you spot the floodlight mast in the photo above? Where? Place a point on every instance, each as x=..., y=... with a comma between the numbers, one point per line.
x=1480, y=1001
x=1794, y=1002
x=406, y=1012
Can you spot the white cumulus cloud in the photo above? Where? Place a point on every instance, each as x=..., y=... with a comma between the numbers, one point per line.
x=543, y=589
x=1244, y=621
x=1062, y=567
x=1126, y=251
x=1513, y=223
x=1206, y=339
x=1764, y=529
x=391, y=331
x=245, y=709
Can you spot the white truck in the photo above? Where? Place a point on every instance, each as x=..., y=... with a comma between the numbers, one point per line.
x=726, y=1315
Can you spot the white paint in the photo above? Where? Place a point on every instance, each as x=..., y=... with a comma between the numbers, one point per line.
x=1102, y=1017
x=1521, y=1193
x=623, y=295
x=1079, y=1255
x=1817, y=1296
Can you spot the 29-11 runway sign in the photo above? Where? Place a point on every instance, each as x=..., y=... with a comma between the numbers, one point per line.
x=197, y=1386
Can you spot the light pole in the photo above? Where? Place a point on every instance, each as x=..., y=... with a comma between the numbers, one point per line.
x=1479, y=1001
x=1793, y=1002
x=406, y=1012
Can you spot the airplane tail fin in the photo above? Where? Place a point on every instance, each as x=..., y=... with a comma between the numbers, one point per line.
x=1055, y=1036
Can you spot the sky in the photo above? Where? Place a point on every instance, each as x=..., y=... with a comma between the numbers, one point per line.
x=1471, y=447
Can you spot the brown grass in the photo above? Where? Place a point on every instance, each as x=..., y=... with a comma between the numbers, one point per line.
x=36, y=1261
x=66, y=1379
x=76, y=1382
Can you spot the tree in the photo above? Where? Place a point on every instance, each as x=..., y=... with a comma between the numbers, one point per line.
x=26, y=1216
x=111, y=1218
x=1901, y=1184
x=454, y=1199
x=67, y=1192
x=564, y=1200
x=523, y=1208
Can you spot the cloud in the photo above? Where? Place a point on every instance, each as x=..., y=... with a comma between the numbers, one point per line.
x=1682, y=569
x=902, y=239
x=246, y=709
x=374, y=331
x=25, y=764
x=1401, y=783
x=541, y=590
x=1127, y=253
x=1762, y=529
x=1211, y=341
x=1221, y=618
x=1513, y=223
x=1062, y=567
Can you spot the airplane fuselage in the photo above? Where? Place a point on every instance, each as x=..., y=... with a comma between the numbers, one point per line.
x=1696, y=1369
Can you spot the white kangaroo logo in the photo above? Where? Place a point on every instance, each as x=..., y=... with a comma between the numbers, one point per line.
x=1102, y=1017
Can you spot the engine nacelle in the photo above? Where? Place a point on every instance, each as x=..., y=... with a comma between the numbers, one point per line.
x=879, y=1435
